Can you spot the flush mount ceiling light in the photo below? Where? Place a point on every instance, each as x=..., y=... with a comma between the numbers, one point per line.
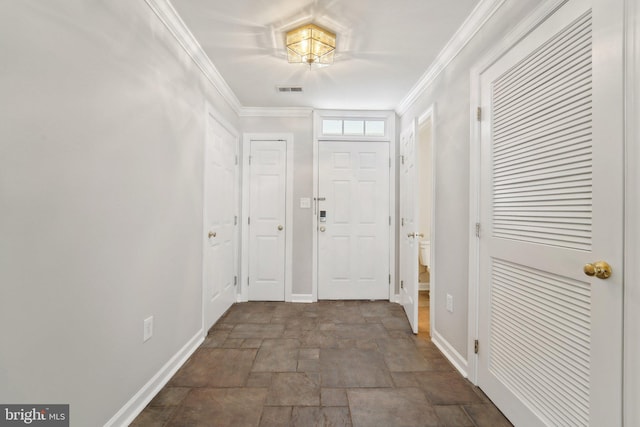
x=310, y=44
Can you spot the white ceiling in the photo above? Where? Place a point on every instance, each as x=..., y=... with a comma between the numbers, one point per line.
x=383, y=47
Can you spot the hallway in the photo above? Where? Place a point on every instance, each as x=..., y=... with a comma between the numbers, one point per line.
x=337, y=363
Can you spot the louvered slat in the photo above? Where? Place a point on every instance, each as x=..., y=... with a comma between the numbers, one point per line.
x=540, y=340
x=542, y=141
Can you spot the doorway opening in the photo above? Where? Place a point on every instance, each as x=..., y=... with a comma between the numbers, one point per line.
x=425, y=192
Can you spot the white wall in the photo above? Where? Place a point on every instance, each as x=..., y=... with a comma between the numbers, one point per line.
x=302, y=130
x=101, y=134
x=450, y=93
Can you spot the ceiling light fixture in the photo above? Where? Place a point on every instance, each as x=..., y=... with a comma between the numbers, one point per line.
x=310, y=44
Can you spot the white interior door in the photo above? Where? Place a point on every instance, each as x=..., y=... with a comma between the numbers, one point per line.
x=353, y=221
x=409, y=226
x=267, y=214
x=551, y=202
x=219, y=255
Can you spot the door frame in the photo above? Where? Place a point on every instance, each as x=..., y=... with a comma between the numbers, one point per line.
x=430, y=115
x=209, y=110
x=631, y=303
x=391, y=137
x=243, y=294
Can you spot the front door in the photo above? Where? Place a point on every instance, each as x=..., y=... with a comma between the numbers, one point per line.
x=551, y=205
x=267, y=227
x=220, y=237
x=409, y=225
x=353, y=222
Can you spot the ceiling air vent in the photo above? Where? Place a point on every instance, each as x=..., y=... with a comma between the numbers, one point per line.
x=289, y=89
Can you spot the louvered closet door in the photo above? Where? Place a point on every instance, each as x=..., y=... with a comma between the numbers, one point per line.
x=551, y=202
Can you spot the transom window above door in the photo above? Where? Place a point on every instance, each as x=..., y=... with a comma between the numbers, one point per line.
x=353, y=127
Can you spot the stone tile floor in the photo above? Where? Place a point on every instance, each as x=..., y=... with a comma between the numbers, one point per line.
x=331, y=363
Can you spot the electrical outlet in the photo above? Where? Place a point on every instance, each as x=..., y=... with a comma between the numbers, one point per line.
x=148, y=328
x=450, y=303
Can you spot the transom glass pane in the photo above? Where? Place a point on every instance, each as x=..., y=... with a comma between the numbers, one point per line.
x=331, y=127
x=354, y=127
x=375, y=128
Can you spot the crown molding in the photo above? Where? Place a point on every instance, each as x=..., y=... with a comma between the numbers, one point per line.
x=474, y=22
x=275, y=112
x=170, y=18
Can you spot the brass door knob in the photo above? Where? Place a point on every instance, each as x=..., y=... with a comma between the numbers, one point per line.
x=212, y=234
x=600, y=269
x=280, y=227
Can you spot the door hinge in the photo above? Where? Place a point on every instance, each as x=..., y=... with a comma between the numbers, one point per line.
x=236, y=160
x=401, y=284
x=247, y=280
x=402, y=160
x=235, y=220
x=235, y=280
x=475, y=346
x=249, y=159
x=477, y=229
x=402, y=222
x=389, y=162
x=389, y=219
x=389, y=279
x=479, y=113
x=248, y=220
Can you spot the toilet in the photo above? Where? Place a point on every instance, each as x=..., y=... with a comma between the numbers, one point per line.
x=425, y=253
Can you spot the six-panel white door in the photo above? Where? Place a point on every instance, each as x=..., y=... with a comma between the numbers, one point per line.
x=267, y=227
x=409, y=226
x=551, y=203
x=219, y=254
x=353, y=222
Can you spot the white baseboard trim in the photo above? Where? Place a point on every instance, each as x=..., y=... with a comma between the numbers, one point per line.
x=141, y=399
x=395, y=298
x=456, y=359
x=304, y=298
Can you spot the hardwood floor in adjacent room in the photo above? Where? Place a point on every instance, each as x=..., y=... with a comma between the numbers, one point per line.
x=424, y=321
x=331, y=363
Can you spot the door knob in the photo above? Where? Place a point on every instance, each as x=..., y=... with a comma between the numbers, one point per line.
x=280, y=227
x=322, y=229
x=415, y=235
x=212, y=234
x=600, y=269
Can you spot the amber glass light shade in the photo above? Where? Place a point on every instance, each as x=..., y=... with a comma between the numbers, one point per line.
x=310, y=44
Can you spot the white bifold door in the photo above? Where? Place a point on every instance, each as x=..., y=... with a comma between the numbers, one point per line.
x=353, y=220
x=220, y=228
x=267, y=214
x=409, y=225
x=550, y=311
